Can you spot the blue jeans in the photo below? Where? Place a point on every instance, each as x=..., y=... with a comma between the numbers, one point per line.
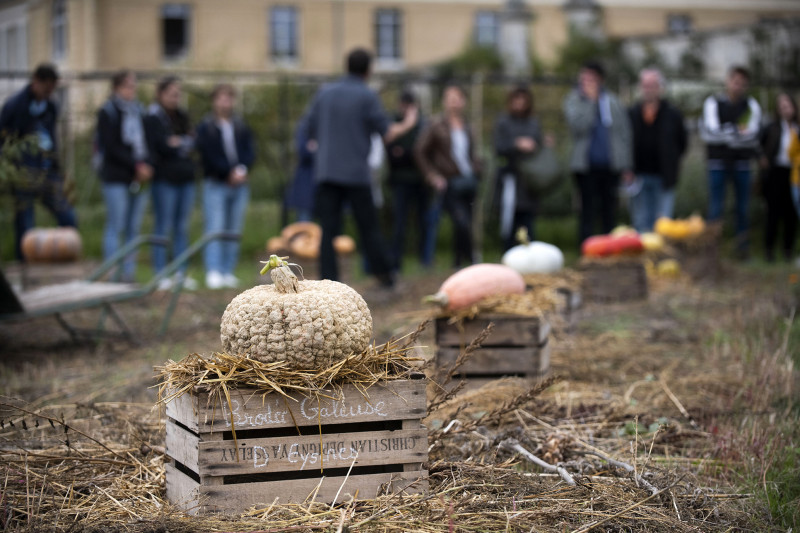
x=172, y=204
x=224, y=207
x=718, y=179
x=666, y=207
x=124, y=214
x=432, y=217
x=646, y=206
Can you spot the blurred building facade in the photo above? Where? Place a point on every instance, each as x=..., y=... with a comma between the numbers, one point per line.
x=311, y=36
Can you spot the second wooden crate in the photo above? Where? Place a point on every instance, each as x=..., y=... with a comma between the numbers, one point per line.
x=517, y=346
x=335, y=446
x=614, y=281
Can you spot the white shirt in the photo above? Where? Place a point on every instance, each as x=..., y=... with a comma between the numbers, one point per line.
x=782, y=158
x=460, y=150
x=228, y=141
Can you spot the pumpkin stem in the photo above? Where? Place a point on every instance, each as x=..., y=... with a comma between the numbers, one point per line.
x=440, y=299
x=280, y=272
x=522, y=235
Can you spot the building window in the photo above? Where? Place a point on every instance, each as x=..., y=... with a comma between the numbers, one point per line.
x=487, y=29
x=283, y=33
x=59, y=29
x=388, y=26
x=679, y=24
x=175, y=19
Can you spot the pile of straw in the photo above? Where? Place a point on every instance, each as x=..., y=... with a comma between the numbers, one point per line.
x=221, y=372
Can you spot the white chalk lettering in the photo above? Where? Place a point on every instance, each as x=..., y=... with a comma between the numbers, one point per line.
x=340, y=409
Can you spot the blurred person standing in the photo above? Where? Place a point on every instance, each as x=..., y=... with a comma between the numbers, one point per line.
x=300, y=194
x=32, y=112
x=447, y=156
x=517, y=134
x=730, y=126
x=407, y=184
x=225, y=144
x=659, y=142
x=601, y=150
x=125, y=166
x=171, y=141
x=775, y=177
x=342, y=118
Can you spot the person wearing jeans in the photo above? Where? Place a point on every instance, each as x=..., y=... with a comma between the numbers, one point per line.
x=171, y=143
x=226, y=148
x=447, y=156
x=124, y=214
x=125, y=167
x=31, y=112
x=730, y=126
x=659, y=142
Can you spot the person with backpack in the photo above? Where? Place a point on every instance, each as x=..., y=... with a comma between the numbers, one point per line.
x=125, y=167
x=226, y=148
x=171, y=140
x=32, y=113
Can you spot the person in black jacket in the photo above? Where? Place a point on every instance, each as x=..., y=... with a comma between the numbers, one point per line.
x=407, y=184
x=125, y=166
x=171, y=142
x=225, y=144
x=516, y=135
x=31, y=112
x=659, y=142
x=775, y=173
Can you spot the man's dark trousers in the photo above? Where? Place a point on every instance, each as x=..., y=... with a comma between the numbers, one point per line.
x=329, y=202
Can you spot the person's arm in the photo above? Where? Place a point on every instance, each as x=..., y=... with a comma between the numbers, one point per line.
x=422, y=150
x=391, y=131
x=157, y=137
x=503, y=141
x=682, y=135
x=113, y=149
x=248, y=155
x=711, y=131
x=580, y=113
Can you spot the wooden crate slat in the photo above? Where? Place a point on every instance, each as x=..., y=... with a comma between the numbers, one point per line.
x=392, y=400
x=184, y=409
x=499, y=361
x=302, y=453
x=238, y=498
x=182, y=490
x=193, y=498
x=509, y=330
x=182, y=445
x=614, y=281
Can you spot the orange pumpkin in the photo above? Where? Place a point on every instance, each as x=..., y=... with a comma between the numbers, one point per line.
x=304, y=245
x=51, y=245
x=277, y=245
x=474, y=283
x=597, y=246
x=344, y=244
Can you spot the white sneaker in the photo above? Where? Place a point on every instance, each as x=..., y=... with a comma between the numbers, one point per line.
x=215, y=280
x=164, y=284
x=231, y=281
x=190, y=284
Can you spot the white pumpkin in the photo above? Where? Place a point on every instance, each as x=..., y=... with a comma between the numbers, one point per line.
x=534, y=258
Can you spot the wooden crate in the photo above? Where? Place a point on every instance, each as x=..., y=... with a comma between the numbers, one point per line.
x=288, y=449
x=613, y=281
x=517, y=346
x=569, y=306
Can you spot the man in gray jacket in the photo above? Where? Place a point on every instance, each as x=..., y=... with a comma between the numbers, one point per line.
x=601, y=150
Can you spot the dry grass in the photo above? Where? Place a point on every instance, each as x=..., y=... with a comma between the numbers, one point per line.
x=677, y=394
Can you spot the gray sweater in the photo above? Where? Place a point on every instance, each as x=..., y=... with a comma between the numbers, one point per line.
x=581, y=113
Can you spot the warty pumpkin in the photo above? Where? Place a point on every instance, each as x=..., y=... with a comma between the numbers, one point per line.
x=311, y=324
